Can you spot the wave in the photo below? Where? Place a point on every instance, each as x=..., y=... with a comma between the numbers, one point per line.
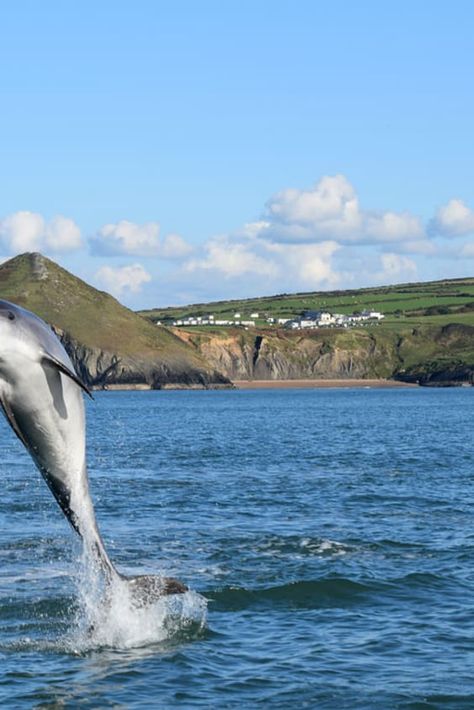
x=304, y=594
x=300, y=546
x=330, y=592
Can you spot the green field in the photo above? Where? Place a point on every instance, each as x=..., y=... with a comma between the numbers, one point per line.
x=404, y=305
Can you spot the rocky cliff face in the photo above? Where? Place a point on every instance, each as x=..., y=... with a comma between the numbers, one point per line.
x=284, y=355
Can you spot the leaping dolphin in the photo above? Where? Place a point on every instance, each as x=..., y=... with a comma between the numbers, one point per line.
x=40, y=395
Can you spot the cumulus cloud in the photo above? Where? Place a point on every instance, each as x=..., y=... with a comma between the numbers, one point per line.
x=271, y=265
x=315, y=238
x=128, y=238
x=393, y=227
x=232, y=258
x=395, y=267
x=23, y=231
x=453, y=219
x=62, y=234
x=29, y=231
x=126, y=278
x=331, y=210
x=308, y=264
x=175, y=247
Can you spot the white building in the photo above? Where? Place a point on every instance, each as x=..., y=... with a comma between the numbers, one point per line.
x=325, y=318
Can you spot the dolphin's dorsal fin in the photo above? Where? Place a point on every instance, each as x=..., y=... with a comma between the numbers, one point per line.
x=49, y=359
x=12, y=421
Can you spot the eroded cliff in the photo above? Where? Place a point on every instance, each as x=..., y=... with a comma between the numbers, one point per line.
x=275, y=355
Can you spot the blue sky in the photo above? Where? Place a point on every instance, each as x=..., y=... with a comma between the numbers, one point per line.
x=178, y=152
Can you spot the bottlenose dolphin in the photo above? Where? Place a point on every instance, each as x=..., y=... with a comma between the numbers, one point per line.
x=41, y=398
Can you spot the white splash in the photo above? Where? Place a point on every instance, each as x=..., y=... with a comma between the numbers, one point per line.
x=107, y=617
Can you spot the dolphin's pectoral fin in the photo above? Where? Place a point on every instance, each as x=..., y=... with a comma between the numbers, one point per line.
x=54, y=362
x=12, y=421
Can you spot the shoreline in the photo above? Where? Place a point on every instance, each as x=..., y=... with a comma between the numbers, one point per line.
x=321, y=384
x=339, y=383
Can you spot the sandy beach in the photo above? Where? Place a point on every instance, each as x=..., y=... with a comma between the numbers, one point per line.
x=283, y=384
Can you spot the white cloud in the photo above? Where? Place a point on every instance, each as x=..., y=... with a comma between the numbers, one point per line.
x=331, y=210
x=393, y=227
x=129, y=238
x=29, y=231
x=62, y=234
x=125, y=237
x=396, y=266
x=126, y=278
x=23, y=231
x=277, y=266
x=453, y=219
x=331, y=204
x=232, y=258
x=175, y=247
x=308, y=264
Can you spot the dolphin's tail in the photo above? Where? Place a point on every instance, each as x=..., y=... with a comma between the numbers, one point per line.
x=146, y=589
x=143, y=589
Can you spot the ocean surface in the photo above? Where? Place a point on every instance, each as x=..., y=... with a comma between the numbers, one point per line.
x=327, y=537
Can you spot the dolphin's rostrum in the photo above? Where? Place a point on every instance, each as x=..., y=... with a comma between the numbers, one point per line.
x=40, y=395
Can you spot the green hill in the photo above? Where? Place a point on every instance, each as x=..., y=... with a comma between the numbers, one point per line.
x=432, y=302
x=107, y=342
x=426, y=336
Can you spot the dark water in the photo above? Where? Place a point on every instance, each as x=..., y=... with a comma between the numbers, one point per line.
x=332, y=532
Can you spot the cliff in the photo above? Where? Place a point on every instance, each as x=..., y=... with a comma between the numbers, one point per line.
x=275, y=355
x=432, y=356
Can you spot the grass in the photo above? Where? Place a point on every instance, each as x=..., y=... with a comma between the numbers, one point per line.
x=91, y=317
x=402, y=305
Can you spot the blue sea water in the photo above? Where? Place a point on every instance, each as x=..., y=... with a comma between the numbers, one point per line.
x=330, y=531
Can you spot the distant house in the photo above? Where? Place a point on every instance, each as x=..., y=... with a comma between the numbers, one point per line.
x=376, y=315
x=254, y=315
x=325, y=318
x=237, y=315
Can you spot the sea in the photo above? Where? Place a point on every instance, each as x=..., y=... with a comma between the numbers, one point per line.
x=326, y=537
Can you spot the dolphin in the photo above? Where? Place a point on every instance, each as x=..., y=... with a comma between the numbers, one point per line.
x=41, y=397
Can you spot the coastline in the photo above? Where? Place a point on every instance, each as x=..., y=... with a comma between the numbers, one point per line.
x=269, y=384
x=320, y=384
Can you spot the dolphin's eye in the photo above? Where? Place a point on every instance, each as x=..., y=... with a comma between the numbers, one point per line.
x=11, y=316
